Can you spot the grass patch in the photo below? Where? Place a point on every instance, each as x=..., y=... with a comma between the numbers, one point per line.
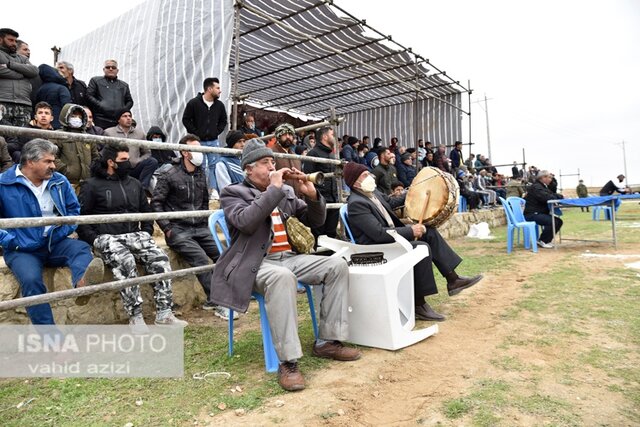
x=160, y=401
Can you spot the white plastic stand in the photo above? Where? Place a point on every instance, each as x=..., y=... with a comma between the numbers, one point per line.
x=381, y=302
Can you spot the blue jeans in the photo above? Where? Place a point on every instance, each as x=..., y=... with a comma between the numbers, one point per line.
x=28, y=268
x=144, y=171
x=211, y=159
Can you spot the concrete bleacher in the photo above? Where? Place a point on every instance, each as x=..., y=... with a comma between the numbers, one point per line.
x=106, y=308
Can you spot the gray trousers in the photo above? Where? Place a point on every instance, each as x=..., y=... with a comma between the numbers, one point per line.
x=120, y=252
x=277, y=280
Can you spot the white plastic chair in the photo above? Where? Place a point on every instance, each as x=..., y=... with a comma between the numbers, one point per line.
x=381, y=302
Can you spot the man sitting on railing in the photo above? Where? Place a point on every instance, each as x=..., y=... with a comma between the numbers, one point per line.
x=260, y=259
x=371, y=215
x=34, y=189
x=183, y=187
x=112, y=191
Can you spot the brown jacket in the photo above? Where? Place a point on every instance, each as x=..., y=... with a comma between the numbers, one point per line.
x=247, y=211
x=74, y=157
x=288, y=163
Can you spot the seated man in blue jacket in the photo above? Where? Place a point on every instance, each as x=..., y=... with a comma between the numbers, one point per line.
x=34, y=189
x=261, y=259
x=371, y=215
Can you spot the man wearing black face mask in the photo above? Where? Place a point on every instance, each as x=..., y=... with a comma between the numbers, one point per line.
x=111, y=191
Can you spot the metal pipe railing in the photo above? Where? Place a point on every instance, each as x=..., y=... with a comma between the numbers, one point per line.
x=103, y=287
x=96, y=139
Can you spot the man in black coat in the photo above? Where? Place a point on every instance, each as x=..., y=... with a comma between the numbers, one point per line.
x=183, y=187
x=112, y=191
x=108, y=96
x=537, y=209
x=206, y=117
x=371, y=215
x=325, y=141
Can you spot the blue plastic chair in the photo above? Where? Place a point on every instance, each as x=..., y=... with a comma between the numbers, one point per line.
x=515, y=221
x=599, y=209
x=344, y=216
x=217, y=221
x=462, y=204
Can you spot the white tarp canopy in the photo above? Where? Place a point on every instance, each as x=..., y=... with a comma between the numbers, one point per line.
x=303, y=56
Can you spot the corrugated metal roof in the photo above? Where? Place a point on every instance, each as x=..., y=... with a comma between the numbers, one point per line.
x=281, y=67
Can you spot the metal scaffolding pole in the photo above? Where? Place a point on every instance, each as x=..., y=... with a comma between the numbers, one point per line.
x=236, y=71
x=116, y=285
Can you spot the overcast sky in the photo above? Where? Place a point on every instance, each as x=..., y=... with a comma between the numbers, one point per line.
x=562, y=76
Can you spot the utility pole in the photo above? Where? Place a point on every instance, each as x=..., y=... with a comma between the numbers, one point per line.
x=624, y=158
x=486, y=112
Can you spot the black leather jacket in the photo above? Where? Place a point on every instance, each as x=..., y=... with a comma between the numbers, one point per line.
x=107, y=98
x=329, y=189
x=180, y=190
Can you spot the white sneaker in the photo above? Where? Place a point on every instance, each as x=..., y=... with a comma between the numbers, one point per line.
x=545, y=245
x=137, y=325
x=214, y=195
x=223, y=313
x=170, y=320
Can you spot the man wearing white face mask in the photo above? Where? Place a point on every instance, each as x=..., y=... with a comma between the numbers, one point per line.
x=371, y=214
x=183, y=187
x=74, y=158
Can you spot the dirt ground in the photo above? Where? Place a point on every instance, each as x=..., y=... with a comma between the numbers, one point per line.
x=409, y=386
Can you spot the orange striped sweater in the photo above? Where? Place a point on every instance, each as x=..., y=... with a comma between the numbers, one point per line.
x=280, y=241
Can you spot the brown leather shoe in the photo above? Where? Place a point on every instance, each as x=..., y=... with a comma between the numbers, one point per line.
x=289, y=376
x=337, y=351
x=425, y=312
x=462, y=283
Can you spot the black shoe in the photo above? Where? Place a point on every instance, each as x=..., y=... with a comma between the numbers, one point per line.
x=425, y=312
x=462, y=283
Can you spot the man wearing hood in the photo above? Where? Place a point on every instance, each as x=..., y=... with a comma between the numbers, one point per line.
x=53, y=91
x=371, y=215
x=206, y=117
x=75, y=157
x=164, y=157
x=112, y=191
x=107, y=96
x=183, y=187
x=15, y=87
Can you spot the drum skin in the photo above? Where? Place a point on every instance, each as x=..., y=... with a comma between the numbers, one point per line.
x=443, y=197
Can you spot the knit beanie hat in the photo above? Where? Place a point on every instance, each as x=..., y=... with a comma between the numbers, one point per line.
x=284, y=129
x=253, y=151
x=233, y=137
x=352, y=172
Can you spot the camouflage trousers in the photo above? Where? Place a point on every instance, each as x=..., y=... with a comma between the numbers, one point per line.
x=17, y=114
x=120, y=253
